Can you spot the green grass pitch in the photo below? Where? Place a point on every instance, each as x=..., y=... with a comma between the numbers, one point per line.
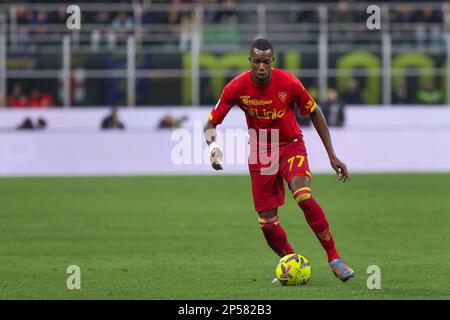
x=197, y=237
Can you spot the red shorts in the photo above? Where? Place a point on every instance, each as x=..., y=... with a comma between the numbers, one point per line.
x=268, y=185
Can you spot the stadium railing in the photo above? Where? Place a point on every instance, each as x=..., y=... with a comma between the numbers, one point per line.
x=189, y=51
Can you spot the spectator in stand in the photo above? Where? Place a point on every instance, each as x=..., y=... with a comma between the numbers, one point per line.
x=400, y=93
x=22, y=15
x=170, y=122
x=22, y=19
x=404, y=18
x=183, y=20
x=446, y=15
x=342, y=18
x=151, y=15
x=35, y=99
x=428, y=27
x=222, y=30
x=306, y=16
x=430, y=94
x=352, y=94
x=17, y=99
x=333, y=109
x=122, y=25
x=59, y=17
x=103, y=18
x=39, y=21
x=40, y=99
x=177, y=13
x=228, y=12
x=103, y=33
x=112, y=121
x=41, y=124
x=27, y=124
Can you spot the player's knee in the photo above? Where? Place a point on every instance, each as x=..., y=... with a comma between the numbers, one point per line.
x=302, y=194
x=299, y=182
x=268, y=222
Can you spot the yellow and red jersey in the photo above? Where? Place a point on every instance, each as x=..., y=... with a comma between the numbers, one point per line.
x=267, y=107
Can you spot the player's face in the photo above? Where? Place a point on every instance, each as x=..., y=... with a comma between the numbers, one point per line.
x=261, y=64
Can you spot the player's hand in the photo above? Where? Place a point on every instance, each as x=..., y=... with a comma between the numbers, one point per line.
x=340, y=168
x=216, y=158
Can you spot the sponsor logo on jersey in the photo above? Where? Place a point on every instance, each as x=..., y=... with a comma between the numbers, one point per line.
x=272, y=114
x=267, y=114
x=248, y=101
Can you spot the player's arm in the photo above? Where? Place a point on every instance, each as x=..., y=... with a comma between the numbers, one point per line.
x=307, y=105
x=216, y=117
x=211, y=137
x=318, y=119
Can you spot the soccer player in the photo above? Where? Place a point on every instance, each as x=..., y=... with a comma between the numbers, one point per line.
x=267, y=97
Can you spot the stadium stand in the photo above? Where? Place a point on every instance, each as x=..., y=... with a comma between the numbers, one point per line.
x=327, y=44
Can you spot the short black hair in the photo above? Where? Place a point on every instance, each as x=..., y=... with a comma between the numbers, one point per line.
x=262, y=44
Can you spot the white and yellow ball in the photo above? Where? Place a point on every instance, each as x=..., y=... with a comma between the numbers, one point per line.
x=293, y=269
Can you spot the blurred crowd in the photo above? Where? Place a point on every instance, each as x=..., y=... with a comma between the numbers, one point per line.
x=423, y=25
x=34, y=98
x=422, y=22
x=123, y=21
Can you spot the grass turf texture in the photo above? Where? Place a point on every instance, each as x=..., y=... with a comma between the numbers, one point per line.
x=190, y=237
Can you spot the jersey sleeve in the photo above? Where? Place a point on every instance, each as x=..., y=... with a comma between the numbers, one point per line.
x=303, y=99
x=224, y=105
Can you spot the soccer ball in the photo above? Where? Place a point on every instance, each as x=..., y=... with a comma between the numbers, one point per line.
x=293, y=270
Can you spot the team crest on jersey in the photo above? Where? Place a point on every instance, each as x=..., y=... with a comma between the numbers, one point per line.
x=282, y=96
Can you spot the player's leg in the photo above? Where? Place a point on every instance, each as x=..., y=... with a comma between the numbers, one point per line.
x=274, y=233
x=295, y=170
x=301, y=189
x=268, y=195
